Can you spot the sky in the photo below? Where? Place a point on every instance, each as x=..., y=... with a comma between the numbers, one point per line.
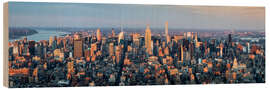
x=89, y=15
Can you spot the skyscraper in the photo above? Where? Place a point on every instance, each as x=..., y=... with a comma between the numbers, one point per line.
x=136, y=39
x=230, y=38
x=235, y=64
x=166, y=28
x=182, y=53
x=98, y=35
x=189, y=34
x=166, y=32
x=196, y=37
x=221, y=46
x=93, y=49
x=78, y=50
x=32, y=47
x=54, y=42
x=76, y=36
x=113, y=33
x=111, y=49
x=25, y=39
x=148, y=40
x=51, y=41
x=248, y=47
x=120, y=36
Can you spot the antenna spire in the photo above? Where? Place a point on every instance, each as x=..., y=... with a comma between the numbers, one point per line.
x=121, y=28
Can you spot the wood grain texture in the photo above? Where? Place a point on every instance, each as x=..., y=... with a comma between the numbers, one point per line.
x=5, y=44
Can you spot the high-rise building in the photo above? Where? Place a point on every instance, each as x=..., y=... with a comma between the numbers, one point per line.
x=117, y=54
x=151, y=47
x=248, y=47
x=87, y=53
x=78, y=48
x=64, y=43
x=230, y=38
x=111, y=49
x=136, y=39
x=166, y=33
x=235, y=64
x=56, y=52
x=98, y=35
x=103, y=40
x=178, y=37
x=51, y=41
x=196, y=37
x=221, y=49
x=54, y=43
x=148, y=40
x=16, y=49
x=25, y=39
x=55, y=38
x=189, y=34
x=113, y=33
x=32, y=47
x=93, y=49
x=166, y=28
x=182, y=53
x=120, y=36
x=76, y=36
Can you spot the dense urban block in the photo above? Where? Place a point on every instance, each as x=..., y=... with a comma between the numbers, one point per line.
x=124, y=58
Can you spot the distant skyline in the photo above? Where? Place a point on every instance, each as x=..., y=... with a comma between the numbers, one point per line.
x=89, y=15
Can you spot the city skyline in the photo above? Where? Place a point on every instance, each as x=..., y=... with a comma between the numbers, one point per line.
x=25, y=14
x=54, y=45
x=91, y=59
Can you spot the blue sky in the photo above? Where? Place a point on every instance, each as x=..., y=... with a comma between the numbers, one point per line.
x=34, y=14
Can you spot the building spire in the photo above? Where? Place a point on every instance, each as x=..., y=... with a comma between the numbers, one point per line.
x=166, y=28
x=147, y=26
x=235, y=64
x=121, y=28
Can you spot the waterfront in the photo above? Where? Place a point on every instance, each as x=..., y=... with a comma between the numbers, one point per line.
x=42, y=34
x=131, y=45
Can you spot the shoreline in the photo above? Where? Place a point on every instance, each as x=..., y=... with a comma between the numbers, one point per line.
x=16, y=33
x=41, y=34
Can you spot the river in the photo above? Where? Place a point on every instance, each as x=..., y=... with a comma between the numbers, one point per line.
x=42, y=35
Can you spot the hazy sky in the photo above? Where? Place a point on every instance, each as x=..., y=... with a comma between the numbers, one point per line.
x=23, y=14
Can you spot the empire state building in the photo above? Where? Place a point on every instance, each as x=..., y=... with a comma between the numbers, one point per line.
x=148, y=40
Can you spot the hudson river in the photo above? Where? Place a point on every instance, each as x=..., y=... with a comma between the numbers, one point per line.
x=42, y=35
